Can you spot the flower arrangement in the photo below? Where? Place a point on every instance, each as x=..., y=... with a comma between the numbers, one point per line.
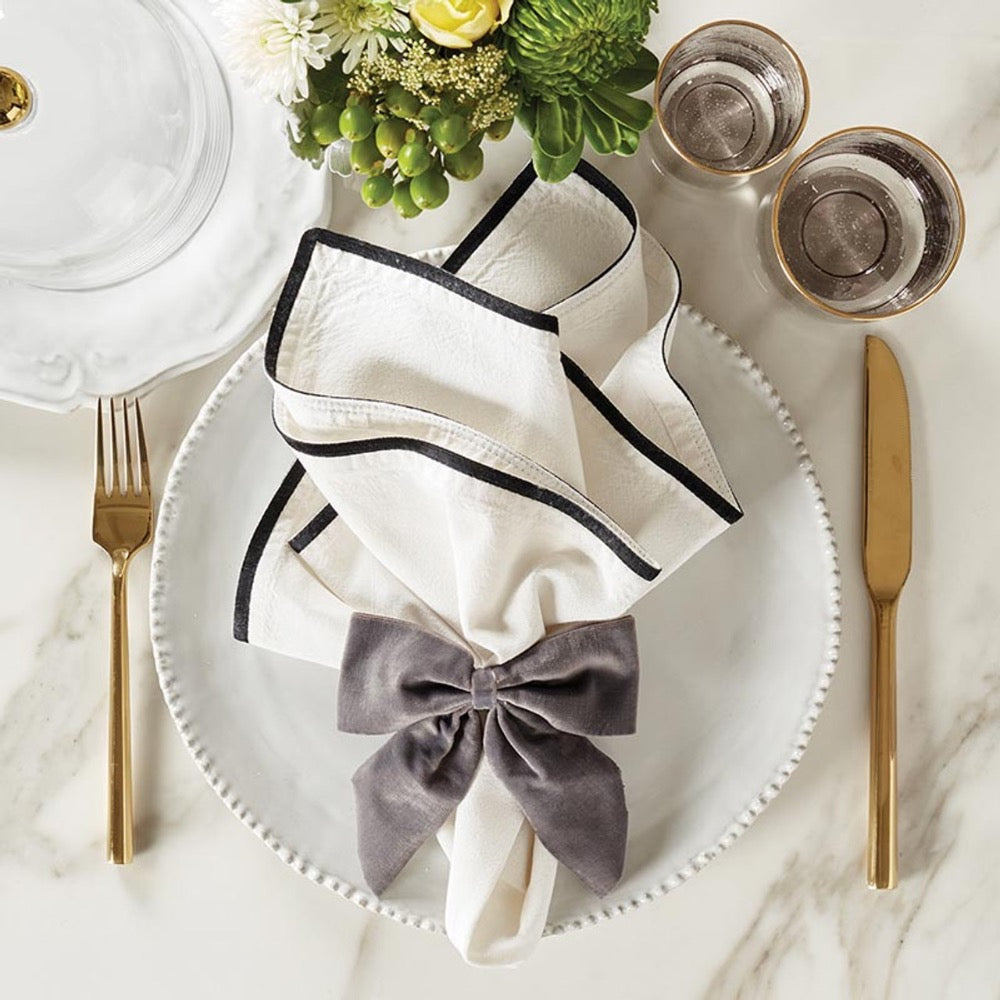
x=404, y=93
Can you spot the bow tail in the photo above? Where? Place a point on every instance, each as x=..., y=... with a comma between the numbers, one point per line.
x=571, y=793
x=405, y=791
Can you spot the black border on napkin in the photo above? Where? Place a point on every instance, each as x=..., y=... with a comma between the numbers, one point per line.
x=446, y=276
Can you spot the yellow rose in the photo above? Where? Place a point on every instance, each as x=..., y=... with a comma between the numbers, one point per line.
x=456, y=24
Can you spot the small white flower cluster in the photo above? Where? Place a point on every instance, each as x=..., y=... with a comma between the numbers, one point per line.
x=272, y=44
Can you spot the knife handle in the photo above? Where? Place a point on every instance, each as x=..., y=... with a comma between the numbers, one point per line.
x=882, y=844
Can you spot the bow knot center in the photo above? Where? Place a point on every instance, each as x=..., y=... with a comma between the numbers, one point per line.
x=484, y=688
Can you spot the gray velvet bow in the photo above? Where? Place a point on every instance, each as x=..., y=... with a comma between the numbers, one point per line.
x=539, y=708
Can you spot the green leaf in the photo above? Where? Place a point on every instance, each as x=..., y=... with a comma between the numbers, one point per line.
x=527, y=115
x=602, y=131
x=629, y=144
x=306, y=148
x=628, y=111
x=632, y=78
x=556, y=168
x=559, y=127
x=329, y=83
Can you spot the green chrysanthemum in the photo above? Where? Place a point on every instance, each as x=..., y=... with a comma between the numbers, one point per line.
x=562, y=46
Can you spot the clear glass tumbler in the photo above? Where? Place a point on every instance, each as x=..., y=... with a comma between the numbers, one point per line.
x=866, y=223
x=732, y=99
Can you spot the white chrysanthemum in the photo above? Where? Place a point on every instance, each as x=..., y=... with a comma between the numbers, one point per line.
x=363, y=27
x=272, y=44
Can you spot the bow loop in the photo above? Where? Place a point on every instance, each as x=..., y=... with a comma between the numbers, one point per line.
x=394, y=674
x=540, y=707
x=582, y=680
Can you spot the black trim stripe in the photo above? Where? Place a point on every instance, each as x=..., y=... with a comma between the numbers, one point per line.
x=398, y=261
x=258, y=542
x=666, y=329
x=314, y=528
x=624, y=427
x=610, y=191
x=521, y=184
x=459, y=257
x=685, y=476
x=286, y=300
x=477, y=235
x=673, y=378
x=502, y=480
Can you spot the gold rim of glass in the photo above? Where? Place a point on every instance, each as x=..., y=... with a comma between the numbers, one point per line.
x=805, y=99
x=15, y=96
x=776, y=207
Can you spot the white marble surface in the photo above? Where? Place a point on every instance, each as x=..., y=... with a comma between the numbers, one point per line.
x=207, y=911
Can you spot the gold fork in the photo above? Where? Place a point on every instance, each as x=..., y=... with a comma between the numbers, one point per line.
x=123, y=523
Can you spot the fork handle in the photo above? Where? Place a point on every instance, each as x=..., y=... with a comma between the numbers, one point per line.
x=882, y=847
x=119, y=723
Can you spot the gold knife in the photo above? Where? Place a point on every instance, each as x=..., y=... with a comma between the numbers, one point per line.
x=887, y=543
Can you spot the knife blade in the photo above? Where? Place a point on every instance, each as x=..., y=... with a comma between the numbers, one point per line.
x=887, y=547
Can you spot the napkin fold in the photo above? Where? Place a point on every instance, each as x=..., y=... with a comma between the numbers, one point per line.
x=489, y=451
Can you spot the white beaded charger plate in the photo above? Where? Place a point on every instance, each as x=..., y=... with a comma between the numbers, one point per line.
x=62, y=349
x=737, y=650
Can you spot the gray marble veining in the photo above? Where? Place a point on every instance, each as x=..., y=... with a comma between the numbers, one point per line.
x=206, y=911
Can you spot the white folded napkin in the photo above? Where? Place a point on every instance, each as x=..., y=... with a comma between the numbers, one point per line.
x=491, y=450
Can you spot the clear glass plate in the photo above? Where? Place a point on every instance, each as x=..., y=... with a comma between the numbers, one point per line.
x=125, y=145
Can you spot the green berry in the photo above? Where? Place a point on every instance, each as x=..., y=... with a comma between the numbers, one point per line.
x=377, y=191
x=413, y=159
x=402, y=201
x=430, y=189
x=356, y=122
x=401, y=102
x=365, y=156
x=466, y=164
x=500, y=130
x=390, y=135
x=429, y=114
x=325, y=123
x=450, y=134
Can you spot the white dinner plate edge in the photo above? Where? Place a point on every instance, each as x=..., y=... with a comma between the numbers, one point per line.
x=362, y=897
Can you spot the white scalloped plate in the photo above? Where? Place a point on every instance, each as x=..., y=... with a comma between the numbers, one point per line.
x=737, y=649
x=61, y=349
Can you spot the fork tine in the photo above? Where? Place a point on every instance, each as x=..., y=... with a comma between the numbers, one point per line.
x=115, y=478
x=100, y=483
x=143, y=457
x=129, y=474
